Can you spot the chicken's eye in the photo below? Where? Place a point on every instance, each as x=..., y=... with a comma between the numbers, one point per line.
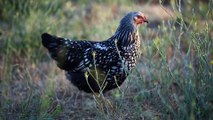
x=138, y=17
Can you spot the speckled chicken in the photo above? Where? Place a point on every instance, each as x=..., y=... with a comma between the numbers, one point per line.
x=99, y=66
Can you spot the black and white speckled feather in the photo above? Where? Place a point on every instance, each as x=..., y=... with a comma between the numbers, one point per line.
x=113, y=58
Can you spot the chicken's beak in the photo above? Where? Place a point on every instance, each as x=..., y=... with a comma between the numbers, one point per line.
x=146, y=21
x=144, y=18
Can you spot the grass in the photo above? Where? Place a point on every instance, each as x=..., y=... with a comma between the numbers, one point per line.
x=173, y=79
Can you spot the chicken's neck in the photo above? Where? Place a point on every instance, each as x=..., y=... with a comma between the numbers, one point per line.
x=126, y=35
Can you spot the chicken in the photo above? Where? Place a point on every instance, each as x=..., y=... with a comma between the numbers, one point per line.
x=99, y=66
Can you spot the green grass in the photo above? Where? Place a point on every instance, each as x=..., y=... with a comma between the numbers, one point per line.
x=173, y=79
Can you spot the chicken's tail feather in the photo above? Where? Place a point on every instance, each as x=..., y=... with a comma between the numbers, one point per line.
x=49, y=41
x=56, y=48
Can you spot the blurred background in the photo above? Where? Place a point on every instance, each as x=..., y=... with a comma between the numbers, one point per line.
x=173, y=79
